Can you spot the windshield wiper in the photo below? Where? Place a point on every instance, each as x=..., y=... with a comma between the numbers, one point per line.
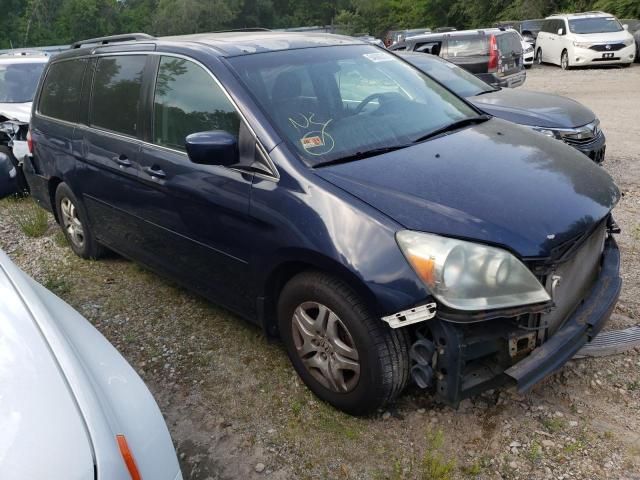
x=453, y=126
x=363, y=154
x=484, y=92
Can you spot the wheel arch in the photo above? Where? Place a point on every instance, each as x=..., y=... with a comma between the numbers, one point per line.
x=52, y=187
x=278, y=276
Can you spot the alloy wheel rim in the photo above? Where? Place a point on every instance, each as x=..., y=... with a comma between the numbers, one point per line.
x=326, y=347
x=71, y=222
x=565, y=61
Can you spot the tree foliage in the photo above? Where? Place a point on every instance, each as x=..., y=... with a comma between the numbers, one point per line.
x=49, y=22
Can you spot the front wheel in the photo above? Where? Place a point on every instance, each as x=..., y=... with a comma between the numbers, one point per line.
x=564, y=61
x=539, y=56
x=344, y=354
x=75, y=224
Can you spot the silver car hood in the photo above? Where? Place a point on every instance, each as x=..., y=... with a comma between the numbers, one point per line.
x=20, y=112
x=43, y=432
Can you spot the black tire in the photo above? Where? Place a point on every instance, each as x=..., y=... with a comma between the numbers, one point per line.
x=538, y=58
x=565, y=56
x=625, y=65
x=89, y=247
x=383, y=353
x=527, y=67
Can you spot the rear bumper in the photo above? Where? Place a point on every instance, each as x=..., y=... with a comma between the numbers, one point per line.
x=508, y=81
x=579, y=329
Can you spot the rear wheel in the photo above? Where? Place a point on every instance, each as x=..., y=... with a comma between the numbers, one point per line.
x=346, y=356
x=539, y=56
x=75, y=225
x=564, y=60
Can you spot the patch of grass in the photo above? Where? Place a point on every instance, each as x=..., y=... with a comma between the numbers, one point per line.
x=296, y=407
x=534, y=452
x=476, y=468
x=554, y=425
x=59, y=239
x=57, y=285
x=574, y=447
x=32, y=220
x=433, y=465
x=632, y=386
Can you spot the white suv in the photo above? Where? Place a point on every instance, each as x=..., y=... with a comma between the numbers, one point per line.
x=591, y=38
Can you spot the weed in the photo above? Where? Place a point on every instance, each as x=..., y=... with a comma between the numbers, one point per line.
x=296, y=407
x=433, y=465
x=57, y=285
x=534, y=452
x=574, y=447
x=632, y=386
x=60, y=239
x=554, y=424
x=32, y=220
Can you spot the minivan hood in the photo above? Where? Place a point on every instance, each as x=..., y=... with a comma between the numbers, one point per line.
x=534, y=108
x=494, y=183
x=608, y=37
x=20, y=112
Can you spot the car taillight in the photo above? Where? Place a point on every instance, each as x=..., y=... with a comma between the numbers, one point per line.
x=29, y=142
x=493, y=54
x=127, y=456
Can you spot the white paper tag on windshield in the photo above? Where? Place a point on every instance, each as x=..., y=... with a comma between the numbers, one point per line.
x=378, y=57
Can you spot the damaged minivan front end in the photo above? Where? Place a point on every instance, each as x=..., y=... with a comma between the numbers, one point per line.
x=459, y=353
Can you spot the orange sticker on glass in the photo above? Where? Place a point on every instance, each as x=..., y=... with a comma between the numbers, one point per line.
x=311, y=142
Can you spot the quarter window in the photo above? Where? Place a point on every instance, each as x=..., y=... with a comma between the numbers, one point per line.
x=61, y=90
x=116, y=99
x=187, y=100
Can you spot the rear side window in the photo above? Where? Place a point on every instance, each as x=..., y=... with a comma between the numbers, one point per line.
x=61, y=90
x=188, y=100
x=117, y=83
x=467, y=46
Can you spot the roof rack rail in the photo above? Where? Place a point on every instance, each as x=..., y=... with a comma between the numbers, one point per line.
x=251, y=29
x=126, y=37
x=16, y=52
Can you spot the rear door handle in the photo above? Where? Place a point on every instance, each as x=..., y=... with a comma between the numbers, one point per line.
x=155, y=172
x=122, y=160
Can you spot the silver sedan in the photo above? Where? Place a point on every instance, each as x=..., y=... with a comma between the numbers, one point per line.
x=70, y=406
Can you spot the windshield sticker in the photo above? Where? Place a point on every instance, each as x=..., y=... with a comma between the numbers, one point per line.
x=311, y=142
x=378, y=57
x=315, y=142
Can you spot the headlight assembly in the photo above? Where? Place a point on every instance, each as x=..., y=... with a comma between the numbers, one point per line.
x=470, y=276
x=628, y=41
x=546, y=131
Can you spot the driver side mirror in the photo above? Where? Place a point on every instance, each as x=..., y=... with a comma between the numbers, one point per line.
x=626, y=27
x=561, y=31
x=8, y=177
x=215, y=147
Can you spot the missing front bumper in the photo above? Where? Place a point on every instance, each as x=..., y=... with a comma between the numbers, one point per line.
x=470, y=359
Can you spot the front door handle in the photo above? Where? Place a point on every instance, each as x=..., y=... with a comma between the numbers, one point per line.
x=122, y=160
x=155, y=172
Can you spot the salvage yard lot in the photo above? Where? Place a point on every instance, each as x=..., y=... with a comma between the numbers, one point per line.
x=236, y=409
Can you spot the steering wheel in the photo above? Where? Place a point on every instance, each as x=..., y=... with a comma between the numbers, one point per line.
x=366, y=101
x=384, y=97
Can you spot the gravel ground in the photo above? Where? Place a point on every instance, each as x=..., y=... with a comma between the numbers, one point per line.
x=236, y=409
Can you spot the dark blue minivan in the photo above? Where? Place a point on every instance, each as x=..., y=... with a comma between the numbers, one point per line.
x=382, y=227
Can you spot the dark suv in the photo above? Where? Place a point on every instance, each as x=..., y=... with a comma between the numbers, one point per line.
x=323, y=188
x=494, y=55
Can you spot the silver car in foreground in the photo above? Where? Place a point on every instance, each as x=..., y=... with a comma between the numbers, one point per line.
x=70, y=406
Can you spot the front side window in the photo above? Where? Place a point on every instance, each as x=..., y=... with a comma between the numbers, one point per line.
x=61, y=90
x=594, y=25
x=116, y=100
x=187, y=100
x=342, y=101
x=18, y=81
